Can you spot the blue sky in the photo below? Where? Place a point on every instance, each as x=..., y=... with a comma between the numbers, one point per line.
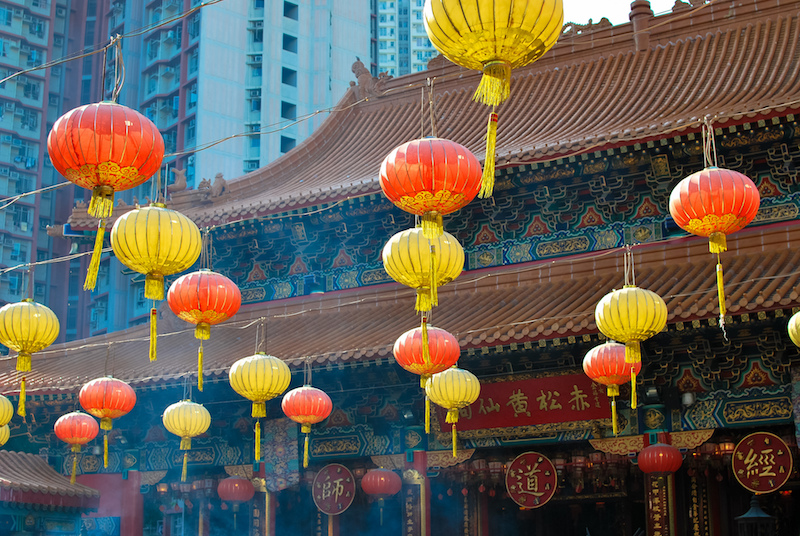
x=580, y=11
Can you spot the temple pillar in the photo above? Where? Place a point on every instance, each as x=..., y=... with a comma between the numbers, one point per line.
x=119, y=497
x=660, y=505
x=269, y=513
x=416, y=491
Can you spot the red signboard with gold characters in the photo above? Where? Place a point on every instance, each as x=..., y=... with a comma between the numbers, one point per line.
x=531, y=480
x=762, y=462
x=334, y=488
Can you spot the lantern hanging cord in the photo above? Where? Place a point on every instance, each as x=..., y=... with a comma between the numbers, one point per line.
x=205, y=251
x=709, y=145
x=422, y=113
x=432, y=108
x=119, y=67
x=627, y=261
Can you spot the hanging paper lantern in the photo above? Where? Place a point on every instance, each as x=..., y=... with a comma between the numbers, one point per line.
x=107, y=398
x=660, y=459
x=155, y=241
x=426, y=350
x=606, y=365
x=493, y=36
x=27, y=327
x=203, y=298
x=631, y=315
x=715, y=202
x=104, y=147
x=423, y=264
x=306, y=405
x=259, y=378
x=794, y=328
x=76, y=429
x=236, y=490
x=453, y=389
x=6, y=410
x=381, y=483
x=431, y=177
x=186, y=419
x=5, y=434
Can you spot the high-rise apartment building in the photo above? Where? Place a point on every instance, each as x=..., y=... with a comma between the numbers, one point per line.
x=403, y=45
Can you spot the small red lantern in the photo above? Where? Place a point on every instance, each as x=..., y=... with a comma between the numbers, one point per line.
x=306, y=405
x=660, y=459
x=107, y=398
x=104, y=147
x=431, y=177
x=715, y=202
x=381, y=483
x=606, y=365
x=76, y=429
x=204, y=298
x=235, y=490
x=426, y=350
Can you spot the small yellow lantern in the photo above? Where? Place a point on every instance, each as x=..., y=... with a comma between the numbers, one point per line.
x=5, y=434
x=453, y=389
x=794, y=328
x=424, y=264
x=6, y=410
x=186, y=419
x=259, y=378
x=27, y=327
x=631, y=315
x=155, y=241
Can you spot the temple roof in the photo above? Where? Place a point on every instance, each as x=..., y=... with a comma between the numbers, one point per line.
x=529, y=302
x=27, y=479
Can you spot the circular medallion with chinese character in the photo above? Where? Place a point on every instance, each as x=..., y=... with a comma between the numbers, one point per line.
x=762, y=462
x=531, y=480
x=333, y=489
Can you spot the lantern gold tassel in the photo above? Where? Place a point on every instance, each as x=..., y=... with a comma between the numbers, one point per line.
x=75, y=450
x=200, y=367
x=455, y=440
x=186, y=443
x=105, y=451
x=487, y=180
x=633, y=388
x=613, y=392
x=202, y=331
x=21, y=404
x=258, y=441
x=452, y=418
x=633, y=352
x=495, y=84
x=102, y=203
x=24, y=362
x=94, y=264
x=432, y=226
x=306, y=429
x=717, y=243
x=184, y=471
x=721, y=293
x=423, y=303
x=154, y=287
x=153, y=333
x=259, y=410
x=434, y=278
x=426, y=352
x=427, y=415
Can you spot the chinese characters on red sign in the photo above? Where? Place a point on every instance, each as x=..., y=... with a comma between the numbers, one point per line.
x=334, y=488
x=531, y=480
x=762, y=462
x=571, y=397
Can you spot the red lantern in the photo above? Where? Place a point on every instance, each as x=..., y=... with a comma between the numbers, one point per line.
x=76, y=429
x=715, y=202
x=104, y=147
x=606, y=365
x=235, y=490
x=204, y=298
x=306, y=405
x=382, y=483
x=431, y=177
x=426, y=350
x=660, y=459
x=107, y=398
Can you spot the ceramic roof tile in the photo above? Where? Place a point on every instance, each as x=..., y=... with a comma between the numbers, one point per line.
x=27, y=478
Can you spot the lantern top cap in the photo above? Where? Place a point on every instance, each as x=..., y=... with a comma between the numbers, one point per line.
x=158, y=205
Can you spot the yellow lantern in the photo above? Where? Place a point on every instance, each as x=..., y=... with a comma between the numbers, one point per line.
x=186, y=419
x=259, y=378
x=493, y=36
x=5, y=434
x=453, y=389
x=27, y=327
x=631, y=315
x=155, y=241
x=6, y=411
x=794, y=329
x=424, y=264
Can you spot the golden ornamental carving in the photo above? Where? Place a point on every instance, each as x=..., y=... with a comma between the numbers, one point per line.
x=244, y=471
x=619, y=445
x=150, y=478
x=757, y=410
x=105, y=173
x=436, y=458
x=711, y=223
x=653, y=418
x=691, y=439
x=442, y=201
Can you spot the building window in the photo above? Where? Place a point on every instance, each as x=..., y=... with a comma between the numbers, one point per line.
x=255, y=105
x=258, y=35
x=287, y=144
x=193, y=25
x=290, y=11
x=258, y=4
x=191, y=131
x=289, y=77
x=290, y=43
x=288, y=110
x=193, y=62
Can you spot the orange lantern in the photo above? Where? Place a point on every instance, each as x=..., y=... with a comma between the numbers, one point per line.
x=715, y=202
x=104, y=147
x=235, y=490
x=606, y=365
x=660, y=459
x=203, y=298
x=381, y=483
x=426, y=350
x=107, y=398
x=431, y=177
x=306, y=405
x=76, y=429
